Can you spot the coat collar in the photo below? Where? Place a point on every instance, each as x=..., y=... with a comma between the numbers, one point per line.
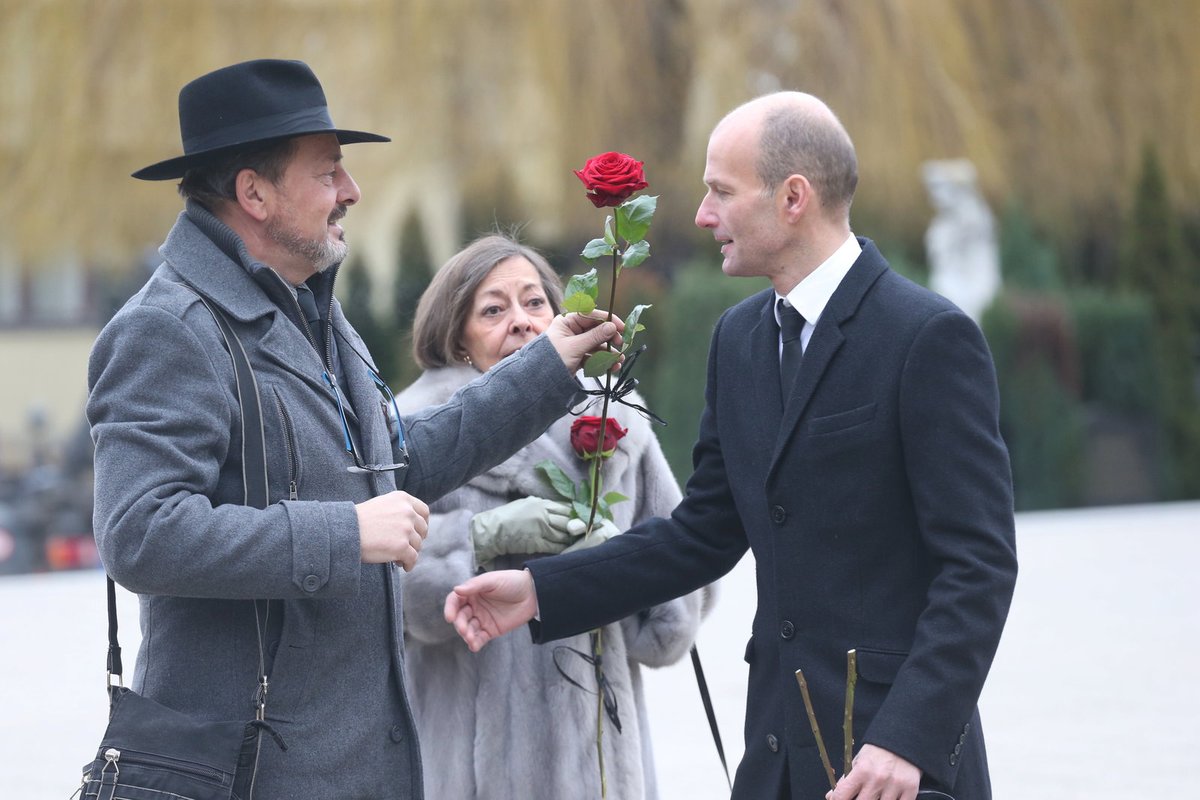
x=219, y=267
x=827, y=338
x=202, y=255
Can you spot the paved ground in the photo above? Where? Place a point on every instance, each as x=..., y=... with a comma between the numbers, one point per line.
x=1093, y=693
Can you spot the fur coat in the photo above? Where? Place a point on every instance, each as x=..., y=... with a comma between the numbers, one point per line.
x=504, y=723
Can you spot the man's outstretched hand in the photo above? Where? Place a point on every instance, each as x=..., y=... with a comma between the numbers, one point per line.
x=491, y=605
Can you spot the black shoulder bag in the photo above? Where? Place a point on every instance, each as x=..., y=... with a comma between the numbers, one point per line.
x=151, y=751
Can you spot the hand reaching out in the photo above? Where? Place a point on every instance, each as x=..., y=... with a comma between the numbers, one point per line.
x=491, y=605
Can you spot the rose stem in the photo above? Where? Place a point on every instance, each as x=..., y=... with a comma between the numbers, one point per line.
x=848, y=719
x=816, y=729
x=612, y=301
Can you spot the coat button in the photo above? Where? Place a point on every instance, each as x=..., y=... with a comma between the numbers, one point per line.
x=958, y=749
x=311, y=583
x=778, y=514
x=953, y=760
x=786, y=629
x=772, y=743
x=397, y=733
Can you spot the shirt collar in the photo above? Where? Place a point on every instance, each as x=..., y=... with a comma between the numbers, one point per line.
x=812, y=294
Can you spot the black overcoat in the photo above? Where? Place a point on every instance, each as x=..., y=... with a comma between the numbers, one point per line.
x=878, y=504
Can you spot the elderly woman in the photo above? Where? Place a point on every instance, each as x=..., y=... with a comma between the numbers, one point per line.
x=519, y=719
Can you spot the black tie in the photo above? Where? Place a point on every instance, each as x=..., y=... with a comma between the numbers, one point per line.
x=308, y=303
x=790, y=326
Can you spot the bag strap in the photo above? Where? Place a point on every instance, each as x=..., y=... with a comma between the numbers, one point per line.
x=709, y=712
x=254, y=463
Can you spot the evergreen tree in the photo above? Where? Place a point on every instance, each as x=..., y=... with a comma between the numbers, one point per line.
x=354, y=293
x=413, y=273
x=1026, y=260
x=1154, y=261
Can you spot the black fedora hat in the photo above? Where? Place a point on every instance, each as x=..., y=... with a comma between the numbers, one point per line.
x=248, y=103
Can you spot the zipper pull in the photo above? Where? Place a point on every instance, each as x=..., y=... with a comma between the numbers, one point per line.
x=108, y=780
x=292, y=493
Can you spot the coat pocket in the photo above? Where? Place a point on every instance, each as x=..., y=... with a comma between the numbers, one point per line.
x=879, y=666
x=289, y=443
x=831, y=423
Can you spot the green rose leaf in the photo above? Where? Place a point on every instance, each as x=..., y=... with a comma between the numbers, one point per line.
x=579, y=302
x=581, y=292
x=614, y=497
x=582, y=510
x=559, y=481
x=635, y=254
x=602, y=509
x=600, y=363
x=596, y=248
x=608, y=233
x=633, y=326
x=634, y=216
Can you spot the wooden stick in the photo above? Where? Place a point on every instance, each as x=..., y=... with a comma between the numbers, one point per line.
x=848, y=718
x=816, y=729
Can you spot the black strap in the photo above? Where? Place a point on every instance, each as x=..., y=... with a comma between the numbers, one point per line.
x=254, y=462
x=114, y=648
x=708, y=710
x=254, y=438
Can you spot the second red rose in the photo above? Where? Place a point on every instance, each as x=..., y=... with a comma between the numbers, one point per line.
x=585, y=434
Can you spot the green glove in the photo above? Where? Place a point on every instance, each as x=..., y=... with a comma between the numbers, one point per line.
x=528, y=525
x=602, y=530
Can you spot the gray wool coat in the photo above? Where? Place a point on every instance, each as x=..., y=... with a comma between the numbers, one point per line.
x=504, y=723
x=170, y=524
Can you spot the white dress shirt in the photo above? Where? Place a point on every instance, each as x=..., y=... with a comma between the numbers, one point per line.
x=812, y=294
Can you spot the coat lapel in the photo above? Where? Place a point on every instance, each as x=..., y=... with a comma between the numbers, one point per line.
x=826, y=341
x=765, y=396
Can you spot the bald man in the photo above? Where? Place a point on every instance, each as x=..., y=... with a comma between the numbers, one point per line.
x=850, y=438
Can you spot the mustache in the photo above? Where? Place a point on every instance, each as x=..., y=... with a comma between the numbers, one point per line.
x=337, y=214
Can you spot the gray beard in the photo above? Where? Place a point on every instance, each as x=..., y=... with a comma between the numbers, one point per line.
x=320, y=254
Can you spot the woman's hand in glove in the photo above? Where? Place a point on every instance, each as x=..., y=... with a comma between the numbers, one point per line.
x=602, y=531
x=528, y=525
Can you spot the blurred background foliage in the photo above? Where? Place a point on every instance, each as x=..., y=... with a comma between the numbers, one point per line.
x=1080, y=116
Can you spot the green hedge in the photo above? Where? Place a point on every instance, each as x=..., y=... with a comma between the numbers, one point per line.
x=700, y=294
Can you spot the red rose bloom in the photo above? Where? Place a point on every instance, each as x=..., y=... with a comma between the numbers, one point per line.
x=610, y=178
x=585, y=433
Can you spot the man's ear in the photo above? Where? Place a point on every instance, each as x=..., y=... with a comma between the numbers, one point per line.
x=797, y=195
x=253, y=194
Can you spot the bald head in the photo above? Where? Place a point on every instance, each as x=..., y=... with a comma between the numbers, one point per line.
x=799, y=135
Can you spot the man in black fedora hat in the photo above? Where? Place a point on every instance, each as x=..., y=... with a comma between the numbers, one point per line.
x=260, y=240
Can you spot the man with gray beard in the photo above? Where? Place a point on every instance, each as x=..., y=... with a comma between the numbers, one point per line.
x=316, y=571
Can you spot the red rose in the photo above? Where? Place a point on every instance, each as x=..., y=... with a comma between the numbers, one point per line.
x=611, y=177
x=585, y=433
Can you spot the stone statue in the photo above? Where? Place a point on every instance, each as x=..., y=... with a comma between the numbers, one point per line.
x=964, y=259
